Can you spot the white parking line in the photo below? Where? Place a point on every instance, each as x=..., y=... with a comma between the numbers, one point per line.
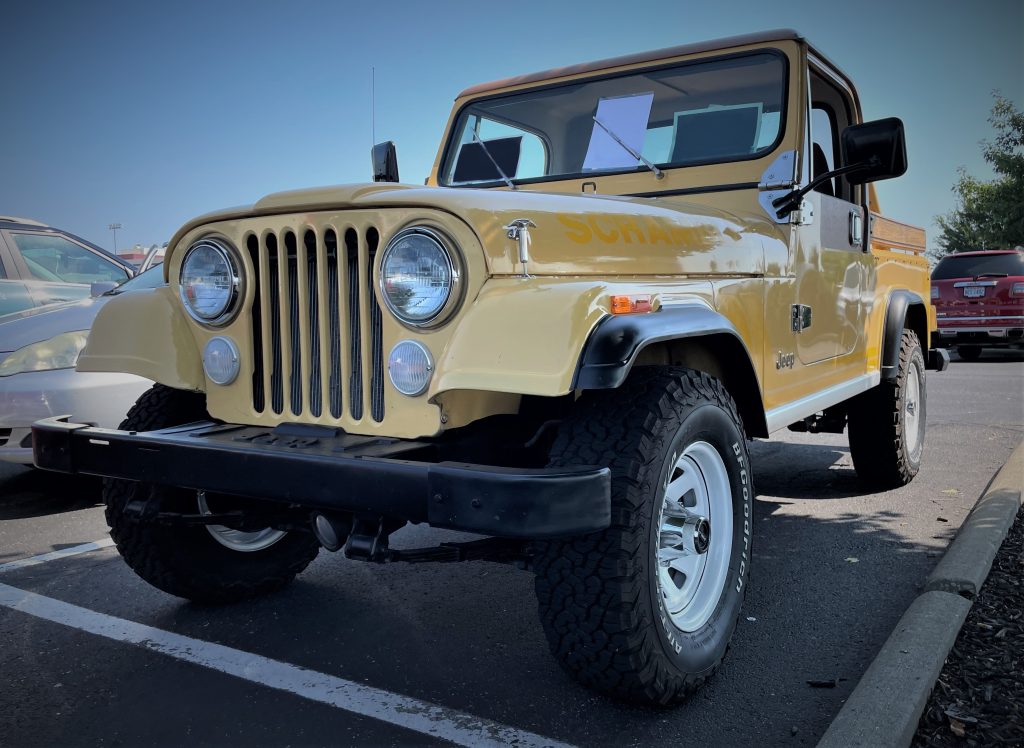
x=421, y=716
x=21, y=563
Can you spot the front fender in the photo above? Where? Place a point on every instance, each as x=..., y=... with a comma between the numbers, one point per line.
x=616, y=343
x=523, y=336
x=145, y=333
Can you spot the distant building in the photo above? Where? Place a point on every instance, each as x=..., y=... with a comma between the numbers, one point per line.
x=137, y=254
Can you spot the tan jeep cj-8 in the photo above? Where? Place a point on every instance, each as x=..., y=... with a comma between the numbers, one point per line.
x=616, y=274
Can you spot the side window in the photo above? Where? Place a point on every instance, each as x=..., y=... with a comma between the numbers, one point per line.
x=823, y=147
x=53, y=258
x=831, y=113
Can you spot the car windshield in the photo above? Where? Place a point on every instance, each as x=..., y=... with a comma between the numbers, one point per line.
x=150, y=279
x=711, y=111
x=971, y=266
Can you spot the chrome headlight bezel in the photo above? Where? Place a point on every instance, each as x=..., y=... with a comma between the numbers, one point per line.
x=236, y=291
x=453, y=258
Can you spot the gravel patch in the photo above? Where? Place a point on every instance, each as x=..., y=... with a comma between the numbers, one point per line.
x=979, y=697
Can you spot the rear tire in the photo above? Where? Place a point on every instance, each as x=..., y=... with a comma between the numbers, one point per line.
x=969, y=352
x=886, y=424
x=194, y=562
x=614, y=605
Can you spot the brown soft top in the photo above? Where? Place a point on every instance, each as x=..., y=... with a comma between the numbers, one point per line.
x=637, y=57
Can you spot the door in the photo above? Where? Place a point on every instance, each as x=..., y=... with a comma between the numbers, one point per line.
x=833, y=271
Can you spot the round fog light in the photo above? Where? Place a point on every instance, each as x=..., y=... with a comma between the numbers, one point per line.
x=410, y=368
x=221, y=360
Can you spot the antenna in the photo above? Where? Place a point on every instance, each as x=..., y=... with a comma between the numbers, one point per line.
x=373, y=107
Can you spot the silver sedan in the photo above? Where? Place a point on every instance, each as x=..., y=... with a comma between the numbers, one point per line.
x=38, y=352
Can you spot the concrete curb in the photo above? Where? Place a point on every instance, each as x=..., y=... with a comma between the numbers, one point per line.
x=887, y=703
x=966, y=563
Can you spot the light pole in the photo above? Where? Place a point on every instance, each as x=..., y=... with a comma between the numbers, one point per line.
x=114, y=227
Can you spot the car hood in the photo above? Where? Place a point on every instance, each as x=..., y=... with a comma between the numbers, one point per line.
x=41, y=323
x=575, y=234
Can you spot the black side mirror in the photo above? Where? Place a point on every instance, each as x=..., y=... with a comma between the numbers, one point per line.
x=385, y=162
x=878, y=147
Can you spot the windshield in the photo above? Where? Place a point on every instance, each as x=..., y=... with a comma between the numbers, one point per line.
x=704, y=112
x=150, y=279
x=970, y=266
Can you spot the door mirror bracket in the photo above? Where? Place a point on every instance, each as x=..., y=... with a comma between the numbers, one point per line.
x=871, y=151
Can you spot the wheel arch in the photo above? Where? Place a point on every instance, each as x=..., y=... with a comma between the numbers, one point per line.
x=904, y=310
x=691, y=335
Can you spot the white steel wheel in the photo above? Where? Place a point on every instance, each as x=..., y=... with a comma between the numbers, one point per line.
x=695, y=536
x=239, y=540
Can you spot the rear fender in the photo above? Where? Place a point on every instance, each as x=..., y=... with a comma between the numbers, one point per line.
x=905, y=310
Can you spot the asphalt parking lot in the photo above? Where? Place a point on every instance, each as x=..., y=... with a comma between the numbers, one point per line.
x=400, y=654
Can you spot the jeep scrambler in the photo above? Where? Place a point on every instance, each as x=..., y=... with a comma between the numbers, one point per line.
x=616, y=274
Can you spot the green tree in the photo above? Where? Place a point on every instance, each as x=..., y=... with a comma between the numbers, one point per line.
x=990, y=215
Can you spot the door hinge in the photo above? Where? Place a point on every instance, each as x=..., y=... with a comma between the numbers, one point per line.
x=801, y=317
x=804, y=215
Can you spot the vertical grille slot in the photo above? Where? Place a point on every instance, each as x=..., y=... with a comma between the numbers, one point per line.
x=313, y=286
x=376, y=333
x=355, y=350
x=252, y=244
x=294, y=339
x=274, y=287
x=334, y=323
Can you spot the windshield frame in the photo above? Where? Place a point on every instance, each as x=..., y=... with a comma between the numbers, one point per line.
x=457, y=123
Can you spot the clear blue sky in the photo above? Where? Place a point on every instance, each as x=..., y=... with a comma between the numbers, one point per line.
x=148, y=114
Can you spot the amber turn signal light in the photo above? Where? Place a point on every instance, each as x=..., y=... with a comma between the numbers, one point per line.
x=631, y=304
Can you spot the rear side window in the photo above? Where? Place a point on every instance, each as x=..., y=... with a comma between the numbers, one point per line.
x=970, y=266
x=53, y=258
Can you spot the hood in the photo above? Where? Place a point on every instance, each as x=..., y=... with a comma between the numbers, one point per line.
x=574, y=234
x=42, y=323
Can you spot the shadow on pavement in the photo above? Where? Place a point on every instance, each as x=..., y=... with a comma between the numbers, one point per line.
x=27, y=492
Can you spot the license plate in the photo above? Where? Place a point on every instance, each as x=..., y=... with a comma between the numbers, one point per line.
x=974, y=292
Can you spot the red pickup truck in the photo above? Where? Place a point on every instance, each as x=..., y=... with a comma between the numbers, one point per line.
x=979, y=300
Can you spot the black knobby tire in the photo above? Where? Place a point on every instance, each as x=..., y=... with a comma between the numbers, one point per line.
x=186, y=560
x=598, y=596
x=969, y=352
x=877, y=426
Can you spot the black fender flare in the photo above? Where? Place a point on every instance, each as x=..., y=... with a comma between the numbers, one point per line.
x=617, y=340
x=898, y=307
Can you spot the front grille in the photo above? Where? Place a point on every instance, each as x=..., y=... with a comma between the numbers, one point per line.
x=317, y=327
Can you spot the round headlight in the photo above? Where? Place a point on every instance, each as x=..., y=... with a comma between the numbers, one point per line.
x=410, y=367
x=209, y=284
x=417, y=276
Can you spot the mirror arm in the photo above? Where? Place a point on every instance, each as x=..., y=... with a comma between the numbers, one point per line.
x=789, y=202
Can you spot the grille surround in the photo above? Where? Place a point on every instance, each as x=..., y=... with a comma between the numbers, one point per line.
x=316, y=324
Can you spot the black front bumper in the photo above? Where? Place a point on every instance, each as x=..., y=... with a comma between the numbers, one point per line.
x=319, y=469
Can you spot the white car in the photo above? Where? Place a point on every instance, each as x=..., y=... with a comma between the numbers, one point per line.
x=38, y=352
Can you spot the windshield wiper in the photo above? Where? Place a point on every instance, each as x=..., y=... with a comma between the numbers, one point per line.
x=640, y=159
x=504, y=176
x=991, y=275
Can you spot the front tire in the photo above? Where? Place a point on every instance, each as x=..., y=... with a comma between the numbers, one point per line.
x=886, y=424
x=644, y=610
x=207, y=564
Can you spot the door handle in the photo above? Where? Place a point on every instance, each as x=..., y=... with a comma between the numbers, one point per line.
x=856, y=228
